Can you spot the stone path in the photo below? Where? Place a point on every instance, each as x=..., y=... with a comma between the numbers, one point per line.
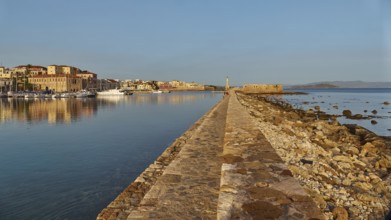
x=189, y=186
x=255, y=182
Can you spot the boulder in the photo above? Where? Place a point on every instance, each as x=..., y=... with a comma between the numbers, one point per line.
x=374, y=112
x=373, y=122
x=347, y=113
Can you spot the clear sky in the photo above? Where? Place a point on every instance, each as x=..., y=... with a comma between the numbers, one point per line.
x=259, y=41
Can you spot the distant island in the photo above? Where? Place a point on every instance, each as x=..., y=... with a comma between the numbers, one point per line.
x=340, y=84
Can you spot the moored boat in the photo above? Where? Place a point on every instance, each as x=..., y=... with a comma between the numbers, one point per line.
x=111, y=92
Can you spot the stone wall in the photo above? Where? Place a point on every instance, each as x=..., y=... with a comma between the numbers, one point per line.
x=262, y=88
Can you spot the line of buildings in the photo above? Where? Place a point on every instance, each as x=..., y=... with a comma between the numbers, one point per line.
x=64, y=78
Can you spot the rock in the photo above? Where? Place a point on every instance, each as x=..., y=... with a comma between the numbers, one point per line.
x=368, y=148
x=386, y=103
x=373, y=122
x=374, y=112
x=346, y=182
x=317, y=107
x=344, y=165
x=356, y=116
x=365, y=111
x=347, y=113
x=340, y=213
x=341, y=158
x=384, y=163
x=359, y=164
x=363, y=186
x=353, y=151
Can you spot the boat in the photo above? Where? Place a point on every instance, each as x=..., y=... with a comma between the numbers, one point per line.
x=157, y=91
x=57, y=95
x=111, y=92
x=84, y=94
x=29, y=95
x=3, y=95
x=65, y=95
x=39, y=95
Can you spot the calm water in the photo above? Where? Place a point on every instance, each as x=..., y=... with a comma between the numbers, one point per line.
x=67, y=159
x=334, y=101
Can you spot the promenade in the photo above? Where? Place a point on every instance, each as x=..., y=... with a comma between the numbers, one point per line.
x=222, y=168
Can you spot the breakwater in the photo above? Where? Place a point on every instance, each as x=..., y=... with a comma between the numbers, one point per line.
x=237, y=162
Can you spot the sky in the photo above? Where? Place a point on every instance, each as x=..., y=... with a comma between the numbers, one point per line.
x=252, y=41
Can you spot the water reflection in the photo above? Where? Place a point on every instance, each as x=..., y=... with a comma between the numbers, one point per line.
x=57, y=111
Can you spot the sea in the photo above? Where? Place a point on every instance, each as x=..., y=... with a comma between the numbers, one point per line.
x=69, y=158
x=371, y=103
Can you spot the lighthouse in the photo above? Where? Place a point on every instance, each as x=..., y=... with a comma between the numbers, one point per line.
x=226, y=86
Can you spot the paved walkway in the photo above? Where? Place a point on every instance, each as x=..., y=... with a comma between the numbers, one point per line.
x=255, y=182
x=189, y=186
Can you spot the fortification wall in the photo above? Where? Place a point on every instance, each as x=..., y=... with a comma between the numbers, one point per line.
x=262, y=88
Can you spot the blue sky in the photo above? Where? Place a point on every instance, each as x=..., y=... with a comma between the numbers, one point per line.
x=262, y=41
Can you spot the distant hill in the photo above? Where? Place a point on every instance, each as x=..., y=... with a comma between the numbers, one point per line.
x=314, y=86
x=341, y=84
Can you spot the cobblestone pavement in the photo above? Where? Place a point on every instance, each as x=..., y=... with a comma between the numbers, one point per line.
x=255, y=182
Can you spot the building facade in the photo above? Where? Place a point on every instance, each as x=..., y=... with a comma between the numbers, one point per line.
x=56, y=83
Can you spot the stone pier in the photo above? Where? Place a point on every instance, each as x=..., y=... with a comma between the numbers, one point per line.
x=221, y=168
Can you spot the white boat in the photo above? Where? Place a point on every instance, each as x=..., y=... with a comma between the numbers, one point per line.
x=111, y=92
x=57, y=95
x=157, y=91
x=84, y=94
x=29, y=95
x=39, y=95
x=65, y=95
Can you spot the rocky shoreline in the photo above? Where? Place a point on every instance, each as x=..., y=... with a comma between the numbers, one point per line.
x=345, y=168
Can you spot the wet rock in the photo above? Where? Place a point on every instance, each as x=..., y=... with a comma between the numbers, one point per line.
x=340, y=213
x=317, y=108
x=356, y=116
x=365, y=111
x=386, y=103
x=347, y=113
x=304, y=161
x=374, y=112
x=373, y=122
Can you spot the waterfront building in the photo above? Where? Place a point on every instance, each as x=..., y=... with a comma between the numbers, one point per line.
x=29, y=70
x=89, y=79
x=106, y=84
x=57, y=83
